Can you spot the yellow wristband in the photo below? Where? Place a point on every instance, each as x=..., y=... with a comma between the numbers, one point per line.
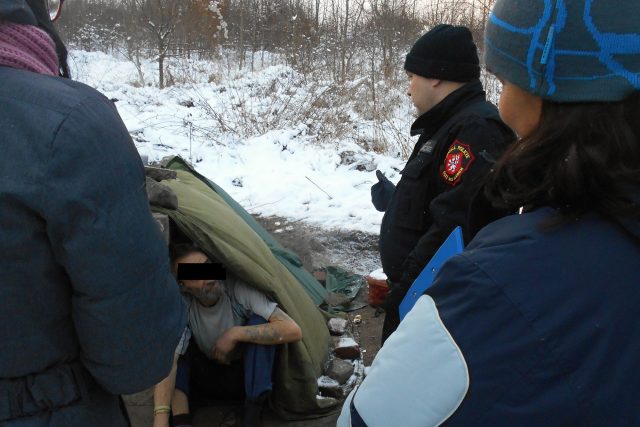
x=161, y=409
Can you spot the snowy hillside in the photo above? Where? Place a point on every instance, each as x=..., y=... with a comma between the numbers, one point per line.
x=279, y=145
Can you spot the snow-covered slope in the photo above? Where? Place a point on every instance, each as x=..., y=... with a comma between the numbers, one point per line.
x=246, y=132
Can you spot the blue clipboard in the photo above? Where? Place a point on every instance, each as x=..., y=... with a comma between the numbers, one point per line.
x=452, y=246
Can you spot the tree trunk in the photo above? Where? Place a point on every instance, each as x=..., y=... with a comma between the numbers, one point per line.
x=161, y=70
x=241, y=38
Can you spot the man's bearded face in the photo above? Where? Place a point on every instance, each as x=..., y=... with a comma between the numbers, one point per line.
x=209, y=294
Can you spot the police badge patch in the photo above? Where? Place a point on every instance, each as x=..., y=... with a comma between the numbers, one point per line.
x=457, y=161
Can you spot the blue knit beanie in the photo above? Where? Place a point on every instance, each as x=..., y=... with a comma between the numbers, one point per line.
x=566, y=50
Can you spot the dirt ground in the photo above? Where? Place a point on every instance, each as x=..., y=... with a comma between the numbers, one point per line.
x=316, y=247
x=353, y=250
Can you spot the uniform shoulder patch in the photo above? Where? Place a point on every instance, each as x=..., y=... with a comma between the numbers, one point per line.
x=457, y=161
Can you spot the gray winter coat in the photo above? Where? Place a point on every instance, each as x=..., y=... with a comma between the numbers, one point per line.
x=89, y=307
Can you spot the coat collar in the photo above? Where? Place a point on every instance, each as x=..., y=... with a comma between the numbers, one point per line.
x=429, y=123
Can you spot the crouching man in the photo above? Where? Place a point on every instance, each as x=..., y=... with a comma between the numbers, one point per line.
x=228, y=349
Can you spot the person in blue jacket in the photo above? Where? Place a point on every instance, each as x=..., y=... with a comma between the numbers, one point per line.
x=536, y=323
x=90, y=309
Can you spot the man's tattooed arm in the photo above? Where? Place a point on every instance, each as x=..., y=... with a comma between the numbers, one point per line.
x=280, y=329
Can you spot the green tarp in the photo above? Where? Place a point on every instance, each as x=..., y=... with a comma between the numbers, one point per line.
x=210, y=218
x=289, y=259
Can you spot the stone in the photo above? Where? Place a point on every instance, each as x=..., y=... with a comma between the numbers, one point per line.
x=337, y=326
x=347, y=348
x=340, y=370
x=159, y=174
x=329, y=387
x=347, y=157
x=161, y=195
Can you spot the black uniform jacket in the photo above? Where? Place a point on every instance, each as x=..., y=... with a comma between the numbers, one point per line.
x=460, y=138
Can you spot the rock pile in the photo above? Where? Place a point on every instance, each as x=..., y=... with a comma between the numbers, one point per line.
x=345, y=367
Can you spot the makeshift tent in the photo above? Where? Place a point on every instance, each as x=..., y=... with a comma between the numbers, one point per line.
x=221, y=227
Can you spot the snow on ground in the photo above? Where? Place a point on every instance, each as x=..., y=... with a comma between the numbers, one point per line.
x=281, y=171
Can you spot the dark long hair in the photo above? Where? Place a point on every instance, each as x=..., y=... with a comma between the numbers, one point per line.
x=179, y=250
x=582, y=157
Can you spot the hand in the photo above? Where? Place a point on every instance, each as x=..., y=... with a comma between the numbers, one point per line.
x=392, y=310
x=397, y=292
x=381, y=192
x=225, y=345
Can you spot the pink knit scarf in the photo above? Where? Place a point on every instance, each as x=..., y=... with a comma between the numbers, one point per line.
x=28, y=48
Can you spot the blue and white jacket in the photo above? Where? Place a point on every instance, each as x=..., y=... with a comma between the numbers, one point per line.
x=528, y=327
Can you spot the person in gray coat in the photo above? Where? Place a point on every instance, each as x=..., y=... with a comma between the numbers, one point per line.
x=89, y=306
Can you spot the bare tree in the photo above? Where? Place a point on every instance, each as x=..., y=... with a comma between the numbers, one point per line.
x=160, y=19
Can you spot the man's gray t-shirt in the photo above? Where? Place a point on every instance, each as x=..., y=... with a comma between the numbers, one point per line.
x=235, y=307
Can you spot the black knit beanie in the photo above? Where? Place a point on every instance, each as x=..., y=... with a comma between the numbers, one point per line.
x=446, y=53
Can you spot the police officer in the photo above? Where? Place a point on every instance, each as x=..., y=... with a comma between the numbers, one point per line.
x=536, y=322
x=460, y=136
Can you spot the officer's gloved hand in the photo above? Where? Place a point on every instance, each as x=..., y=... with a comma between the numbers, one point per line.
x=392, y=309
x=381, y=192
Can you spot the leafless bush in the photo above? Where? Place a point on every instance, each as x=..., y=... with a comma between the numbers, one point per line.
x=285, y=102
x=347, y=56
